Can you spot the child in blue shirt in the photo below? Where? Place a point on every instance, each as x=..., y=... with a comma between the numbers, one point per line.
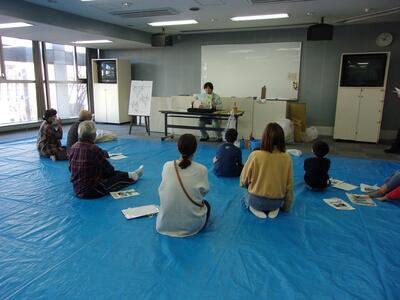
x=228, y=160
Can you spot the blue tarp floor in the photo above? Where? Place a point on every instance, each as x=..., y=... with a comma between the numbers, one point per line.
x=55, y=246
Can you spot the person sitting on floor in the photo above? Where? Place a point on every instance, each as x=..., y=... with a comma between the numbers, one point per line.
x=183, y=210
x=49, y=137
x=228, y=160
x=72, y=138
x=92, y=175
x=268, y=175
x=317, y=168
x=84, y=115
x=390, y=190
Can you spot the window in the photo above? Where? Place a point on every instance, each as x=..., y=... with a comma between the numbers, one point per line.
x=18, y=102
x=66, y=68
x=61, y=81
x=81, y=62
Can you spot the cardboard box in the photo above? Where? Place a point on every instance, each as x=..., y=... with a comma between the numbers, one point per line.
x=297, y=111
x=297, y=114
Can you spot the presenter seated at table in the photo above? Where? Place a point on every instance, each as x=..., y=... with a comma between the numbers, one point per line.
x=209, y=100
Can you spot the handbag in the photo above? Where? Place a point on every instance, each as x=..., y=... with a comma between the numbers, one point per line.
x=183, y=188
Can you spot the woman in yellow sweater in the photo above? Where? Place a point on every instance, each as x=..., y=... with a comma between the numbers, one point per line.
x=268, y=175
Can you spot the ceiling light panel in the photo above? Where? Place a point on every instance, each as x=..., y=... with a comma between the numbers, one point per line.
x=275, y=1
x=261, y=17
x=93, y=42
x=173, y=23
x=14, y=25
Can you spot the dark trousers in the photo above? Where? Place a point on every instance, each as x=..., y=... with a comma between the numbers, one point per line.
x=208, y=214
x=396, y=144
x=113, y=183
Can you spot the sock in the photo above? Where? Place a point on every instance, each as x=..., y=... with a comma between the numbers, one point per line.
x=273, y=213
x=137, y=173
x=258, y=213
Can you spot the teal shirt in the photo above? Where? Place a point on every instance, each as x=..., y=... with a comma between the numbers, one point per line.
x=215, y=100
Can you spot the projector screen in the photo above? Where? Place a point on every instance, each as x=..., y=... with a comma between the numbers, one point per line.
x=241, y=70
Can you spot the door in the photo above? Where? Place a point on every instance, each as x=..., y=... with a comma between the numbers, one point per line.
x=99, y=100
x=112, y=103
x=370, y=114
x=347, y=107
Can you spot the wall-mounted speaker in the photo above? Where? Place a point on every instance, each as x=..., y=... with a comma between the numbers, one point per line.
x=320, y=32
x=161, y=40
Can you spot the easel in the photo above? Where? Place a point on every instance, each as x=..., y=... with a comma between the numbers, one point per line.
x=146, y=123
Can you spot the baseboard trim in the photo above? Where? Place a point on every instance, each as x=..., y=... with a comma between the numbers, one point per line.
x=384, y=134
x=325, y=130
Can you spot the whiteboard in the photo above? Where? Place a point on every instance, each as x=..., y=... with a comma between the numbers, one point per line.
x=140, y=98
x=241, y=70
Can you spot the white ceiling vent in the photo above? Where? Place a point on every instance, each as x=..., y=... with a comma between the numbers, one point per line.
x=209, y=2
x=274, y=1
x=145, y=13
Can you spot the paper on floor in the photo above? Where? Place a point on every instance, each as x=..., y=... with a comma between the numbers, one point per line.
x=336, y=183
x=294, y=152
x=361, y=199
x=116, y=156
x=338, y=203
x=365, y=188
x=140, y=211
x=124, y=194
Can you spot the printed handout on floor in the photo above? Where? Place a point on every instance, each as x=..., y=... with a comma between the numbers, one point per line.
x=124, y=194
x=365, y=188
x=361, y=199
x=116, y=156
x=339, y=184
x=338, y=204
x=140, y=211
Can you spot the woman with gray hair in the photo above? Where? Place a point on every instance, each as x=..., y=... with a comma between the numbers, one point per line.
x=92, y=175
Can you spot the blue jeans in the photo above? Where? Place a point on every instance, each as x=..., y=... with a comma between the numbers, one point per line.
x=262, y=203
x=393, y=181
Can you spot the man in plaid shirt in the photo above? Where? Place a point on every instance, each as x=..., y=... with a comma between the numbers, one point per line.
x=92, y=175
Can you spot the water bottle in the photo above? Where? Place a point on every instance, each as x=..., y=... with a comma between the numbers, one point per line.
x=242, y=143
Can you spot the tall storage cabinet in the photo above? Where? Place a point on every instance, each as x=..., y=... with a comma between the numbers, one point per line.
x=111, y=95
x=359, y=108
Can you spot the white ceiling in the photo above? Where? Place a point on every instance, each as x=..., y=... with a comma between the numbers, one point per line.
x=58, y=35
x=216, y=14
x=213, y=16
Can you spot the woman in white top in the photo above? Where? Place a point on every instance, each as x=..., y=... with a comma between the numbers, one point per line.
x=183, y=211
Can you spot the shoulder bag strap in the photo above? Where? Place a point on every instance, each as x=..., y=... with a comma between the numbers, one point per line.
x=183, y=188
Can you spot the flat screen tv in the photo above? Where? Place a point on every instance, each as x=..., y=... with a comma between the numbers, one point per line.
x=107, y=71
x=363, y=70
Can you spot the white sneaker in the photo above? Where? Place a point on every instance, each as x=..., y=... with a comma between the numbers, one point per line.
x=258, y=213
x=139, y=171
x=273, y=213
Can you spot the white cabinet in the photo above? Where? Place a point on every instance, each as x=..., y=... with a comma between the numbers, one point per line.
x=370, y=114
x=359, y=114
x=359, y=108
x=111, y=100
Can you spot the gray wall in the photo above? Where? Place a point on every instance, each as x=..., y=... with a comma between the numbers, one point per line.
x=176, y=70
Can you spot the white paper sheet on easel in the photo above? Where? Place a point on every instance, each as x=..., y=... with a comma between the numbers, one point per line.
x=140, y=98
